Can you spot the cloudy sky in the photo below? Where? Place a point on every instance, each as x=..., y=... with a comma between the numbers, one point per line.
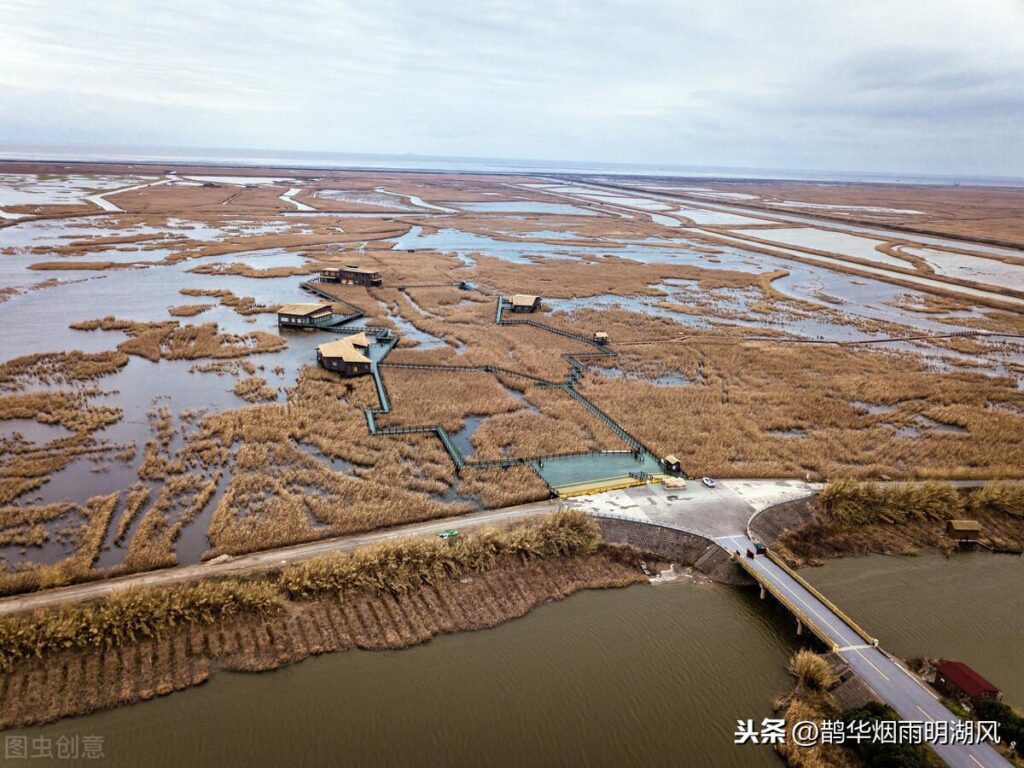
x=903, y=86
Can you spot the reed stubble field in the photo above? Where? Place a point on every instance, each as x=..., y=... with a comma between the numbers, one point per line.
x=137, y=645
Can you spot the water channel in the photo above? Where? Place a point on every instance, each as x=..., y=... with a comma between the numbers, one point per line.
x=642, y=676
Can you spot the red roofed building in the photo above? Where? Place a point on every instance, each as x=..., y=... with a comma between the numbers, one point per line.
x=960, y=681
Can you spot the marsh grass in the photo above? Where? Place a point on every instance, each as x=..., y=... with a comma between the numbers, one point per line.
x=255, y=390
x=243, y=305
x=398, y=567
x=171, y=341
x=188, y=310
x=812, y=671
x=25, y=466
x=59, y=368
x=392, y=569
x=131, y=615
x=858, y=518
x=848, y=503
x=86, y=524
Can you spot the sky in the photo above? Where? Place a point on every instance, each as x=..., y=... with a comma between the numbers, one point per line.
x=891, y=86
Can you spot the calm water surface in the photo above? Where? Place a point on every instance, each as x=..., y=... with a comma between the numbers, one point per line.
x=640, y=676
x=967, y=607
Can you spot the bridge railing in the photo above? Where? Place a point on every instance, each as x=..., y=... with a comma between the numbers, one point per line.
x=822, y=599
x=781, y=596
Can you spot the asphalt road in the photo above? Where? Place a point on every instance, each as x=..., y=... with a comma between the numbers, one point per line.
x=720, y=514
x=265, y=560
x=890, y=682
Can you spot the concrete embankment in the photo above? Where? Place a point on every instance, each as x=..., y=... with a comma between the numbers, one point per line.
x=672, y=544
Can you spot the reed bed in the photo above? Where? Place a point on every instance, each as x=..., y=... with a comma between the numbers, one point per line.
x=417, y=400
x=997, y=499
x=556, y=423
x=171, y=341
x=503, y=487
x=51, y=368
x=285, y=487
x=138, y=496
x=757, y=409
x=812, y=671
x=188, y=310
x=858, y=518
x=810, y=700
x=259, y=630
x=255, y=390
x=79, y=265
x=243, y=305
x=245, y=270
x=131, y=615
x=25, y=466
x=848, y=503
x=85, y=524
x=401, y=566
x=181, y=499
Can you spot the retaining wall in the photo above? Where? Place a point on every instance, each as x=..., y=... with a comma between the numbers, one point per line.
x=675, y=546
x=774, y=521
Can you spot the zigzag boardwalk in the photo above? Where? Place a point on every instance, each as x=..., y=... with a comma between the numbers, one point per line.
x=572, y=377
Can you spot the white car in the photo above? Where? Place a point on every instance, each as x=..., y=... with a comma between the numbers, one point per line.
x=708, y=482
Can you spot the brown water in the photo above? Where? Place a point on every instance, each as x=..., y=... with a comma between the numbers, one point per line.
x=967, y=607
x=640, y=676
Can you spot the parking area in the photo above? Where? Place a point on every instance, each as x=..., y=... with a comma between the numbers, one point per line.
x=712, y=512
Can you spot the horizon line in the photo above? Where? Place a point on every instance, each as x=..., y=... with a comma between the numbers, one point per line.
x=277, y=158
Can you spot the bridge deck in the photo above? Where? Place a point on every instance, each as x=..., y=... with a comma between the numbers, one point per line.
x=888, y=680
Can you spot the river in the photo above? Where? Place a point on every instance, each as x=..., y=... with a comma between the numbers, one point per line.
x=967, y=607
x=645, y=675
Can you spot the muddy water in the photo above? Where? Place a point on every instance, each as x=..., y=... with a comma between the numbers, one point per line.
x=967, y=607
x=642, y=676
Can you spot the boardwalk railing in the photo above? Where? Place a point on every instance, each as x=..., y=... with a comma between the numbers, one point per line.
x=355, y=312
x=470, y=369
x=576, y=369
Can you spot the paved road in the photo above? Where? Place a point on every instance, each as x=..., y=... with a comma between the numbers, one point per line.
x=264, y=560
x=721, y=514
x=900, y=689
x=802, y=218
x=711, y=512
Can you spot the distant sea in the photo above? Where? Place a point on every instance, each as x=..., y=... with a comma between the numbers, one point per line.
x=410, y=162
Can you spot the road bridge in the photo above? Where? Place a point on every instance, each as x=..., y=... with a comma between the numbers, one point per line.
x=722, y=515
x=888, y=680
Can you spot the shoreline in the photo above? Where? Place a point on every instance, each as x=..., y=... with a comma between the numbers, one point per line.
x=798, y=532
x=140, y=644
